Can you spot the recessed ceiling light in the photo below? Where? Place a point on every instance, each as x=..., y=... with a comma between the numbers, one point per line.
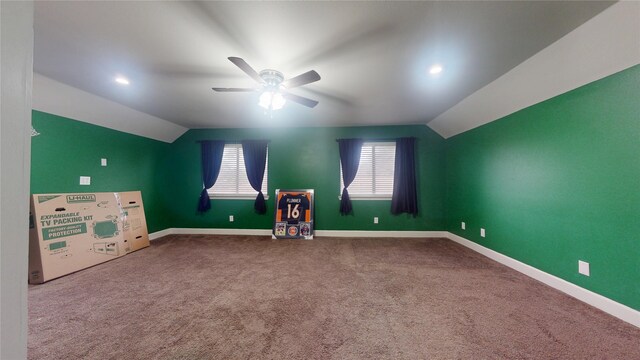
x=435, y=69
x=122, y=80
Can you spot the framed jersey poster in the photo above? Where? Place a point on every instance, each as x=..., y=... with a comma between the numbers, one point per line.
x=294, y=214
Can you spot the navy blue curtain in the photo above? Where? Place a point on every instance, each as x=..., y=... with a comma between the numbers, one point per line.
x=404, y=198
x=255, y=160
x=350, y=150
x=211, y=160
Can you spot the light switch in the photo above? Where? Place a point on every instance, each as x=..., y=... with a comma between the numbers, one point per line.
x=583, y=268
x=103, y=162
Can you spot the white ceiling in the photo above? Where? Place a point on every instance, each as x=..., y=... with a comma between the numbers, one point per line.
x=373, y=56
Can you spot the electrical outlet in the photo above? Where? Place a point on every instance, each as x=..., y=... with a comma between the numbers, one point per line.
x=583, y=268
x=103, y=162
x=375, y=219
x=85, y=180
x=482, y=232
x=463, y=225
x=230, y=218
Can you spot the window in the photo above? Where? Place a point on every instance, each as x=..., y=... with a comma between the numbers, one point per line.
x=232, y=181
x=374, y=179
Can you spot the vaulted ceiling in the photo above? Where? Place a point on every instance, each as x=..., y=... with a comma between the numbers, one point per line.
x=373, y=57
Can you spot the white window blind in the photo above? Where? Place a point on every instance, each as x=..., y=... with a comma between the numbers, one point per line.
x=375, y=173
x=232, y=181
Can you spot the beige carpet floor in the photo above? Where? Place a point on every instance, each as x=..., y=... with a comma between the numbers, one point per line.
x=242, y=297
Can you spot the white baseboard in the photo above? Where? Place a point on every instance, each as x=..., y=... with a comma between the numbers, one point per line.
x=159, y=234
x=605, y=304
x=207, y=231
x=328, y=233
x=378, y=234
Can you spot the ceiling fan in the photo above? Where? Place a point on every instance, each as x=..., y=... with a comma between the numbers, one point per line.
x=273, y=86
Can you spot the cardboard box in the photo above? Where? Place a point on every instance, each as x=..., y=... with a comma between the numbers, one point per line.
x=134, y=222
x=70, y=232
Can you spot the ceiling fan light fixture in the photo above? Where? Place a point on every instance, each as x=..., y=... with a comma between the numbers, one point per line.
x=278, y=101
x=272, y=100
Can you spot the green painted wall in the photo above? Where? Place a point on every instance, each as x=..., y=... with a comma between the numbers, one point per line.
x=556, y=183
x=305, y=158
x=67, y=149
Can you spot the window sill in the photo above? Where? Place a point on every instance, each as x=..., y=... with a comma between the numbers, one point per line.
x=236, y=197
x=364, y=197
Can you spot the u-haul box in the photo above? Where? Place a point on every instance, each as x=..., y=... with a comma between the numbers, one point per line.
x=70, y=232
x=134, y=222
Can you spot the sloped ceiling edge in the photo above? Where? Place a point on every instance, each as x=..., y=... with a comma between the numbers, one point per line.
x=604, y=45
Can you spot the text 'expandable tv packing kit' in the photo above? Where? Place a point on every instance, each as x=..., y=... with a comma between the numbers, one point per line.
x=70, y=232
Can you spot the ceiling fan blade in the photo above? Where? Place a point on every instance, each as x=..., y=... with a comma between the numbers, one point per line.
x=306, y=78
x=233, y=89
x=246, y=68
x=300, y=100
